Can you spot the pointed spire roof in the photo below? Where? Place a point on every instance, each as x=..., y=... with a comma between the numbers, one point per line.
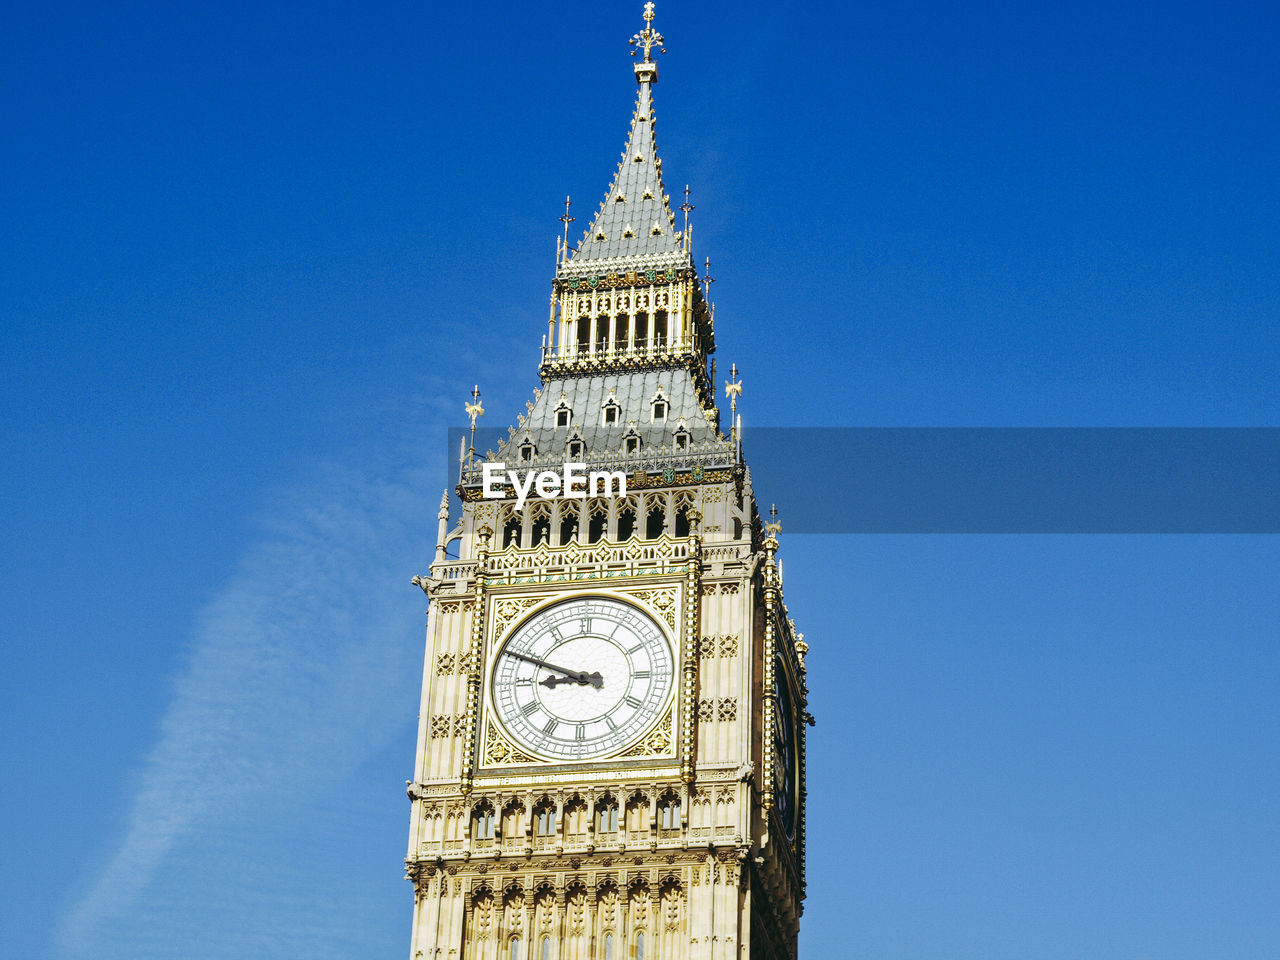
x=635, y=218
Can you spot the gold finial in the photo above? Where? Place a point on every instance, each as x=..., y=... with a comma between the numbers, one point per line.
x=733, y=390
x=707, y=280
x=473, y=410
x=774, y=528
x=648, y=38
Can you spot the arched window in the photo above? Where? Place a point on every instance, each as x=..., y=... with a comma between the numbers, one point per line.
x=598, y=522
x=660, y=328
x=544, y=818
x=482, y=821
x=682, y=520
x=513, y=820
x=620, y=333
x=626, y=521
x=640, y=945
x=575, y=817
x=602, y=333
x=511, y=530
x=608, y=946
x=638, y=813
x=546, y=948
x=654, y=520
x=515, y=949
x=669, y=811
x=541, y=519
x=584, y=334
x=642, y=330
x=568, y=524
x=606, y=815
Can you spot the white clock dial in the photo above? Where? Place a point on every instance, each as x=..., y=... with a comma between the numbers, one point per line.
x=582, y=679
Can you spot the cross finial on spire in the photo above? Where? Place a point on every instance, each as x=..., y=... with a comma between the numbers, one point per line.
x=688, y=208
x=566, y=220
x=707, y=280
x=648, y=38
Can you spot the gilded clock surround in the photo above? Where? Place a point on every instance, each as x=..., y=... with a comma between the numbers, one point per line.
x=672, y=845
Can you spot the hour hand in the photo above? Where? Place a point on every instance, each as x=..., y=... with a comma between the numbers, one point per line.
x=594, y=679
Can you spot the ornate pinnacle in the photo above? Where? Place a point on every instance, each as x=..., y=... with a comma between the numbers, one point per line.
x=566, y=220
x=774, y=528
x=648, y=38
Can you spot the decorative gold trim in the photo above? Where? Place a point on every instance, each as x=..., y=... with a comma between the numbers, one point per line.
x=499, y=751
x=474, y=665
x=659, y=742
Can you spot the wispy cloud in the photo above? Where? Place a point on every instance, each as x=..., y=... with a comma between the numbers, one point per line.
x=301, y=667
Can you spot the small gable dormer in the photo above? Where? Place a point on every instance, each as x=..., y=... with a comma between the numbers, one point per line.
x=563, y=413
x=680, y=437
x=610, y=411
x=659, y=406
x=574, y=446
x=527, y=450
x=631, y=440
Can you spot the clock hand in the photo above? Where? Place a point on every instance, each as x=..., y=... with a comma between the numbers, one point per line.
x=577, y=676
x=594, y=679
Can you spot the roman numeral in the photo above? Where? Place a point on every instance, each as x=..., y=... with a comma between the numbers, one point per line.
x=641, y=674
x=632, y=701
x=609, y=721
x=529, y=709
x=550, y=727
x=580, y=732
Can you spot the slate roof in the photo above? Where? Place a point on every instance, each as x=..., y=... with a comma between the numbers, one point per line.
x=634, y=392
x=636, y=205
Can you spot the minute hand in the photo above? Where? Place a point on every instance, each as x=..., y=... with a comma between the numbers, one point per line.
x=578, y=676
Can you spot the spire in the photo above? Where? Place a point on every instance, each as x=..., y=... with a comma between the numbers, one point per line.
x=635, y=219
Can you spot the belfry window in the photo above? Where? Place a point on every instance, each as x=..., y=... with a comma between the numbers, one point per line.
x=660, y=328
x=626, y=522
x=511, y=531
x=654, y=521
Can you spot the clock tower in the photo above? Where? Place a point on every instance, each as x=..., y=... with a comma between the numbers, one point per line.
x=610, y=754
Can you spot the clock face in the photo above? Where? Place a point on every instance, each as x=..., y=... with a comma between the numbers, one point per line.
x=582, y=679
x=785, y=778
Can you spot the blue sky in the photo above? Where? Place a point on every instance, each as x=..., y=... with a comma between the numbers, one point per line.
x=257, y=256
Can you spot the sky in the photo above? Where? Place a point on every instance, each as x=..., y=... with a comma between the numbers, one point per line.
x=255, y=258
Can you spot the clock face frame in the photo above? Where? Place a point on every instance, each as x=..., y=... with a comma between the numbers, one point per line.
x=786, y=774
x=547, y=712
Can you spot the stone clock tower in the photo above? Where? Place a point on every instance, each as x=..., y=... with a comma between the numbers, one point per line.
x=610, y=756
